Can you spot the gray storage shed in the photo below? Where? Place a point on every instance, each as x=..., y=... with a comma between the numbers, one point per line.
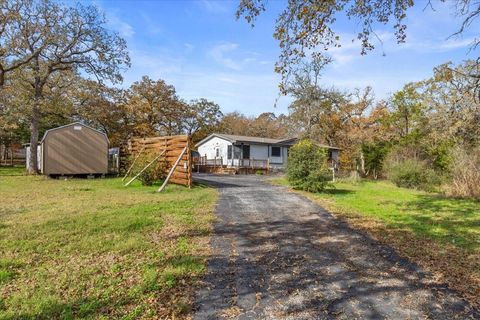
x=74, y=149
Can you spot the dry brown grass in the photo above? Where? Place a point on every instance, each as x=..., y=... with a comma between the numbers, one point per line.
x=466, y=174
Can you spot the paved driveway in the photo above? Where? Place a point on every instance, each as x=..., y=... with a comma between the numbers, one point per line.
x=277, y=255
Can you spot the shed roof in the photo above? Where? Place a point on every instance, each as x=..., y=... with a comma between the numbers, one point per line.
x=77, y=123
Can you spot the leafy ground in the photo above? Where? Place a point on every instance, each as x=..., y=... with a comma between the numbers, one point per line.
x=441, y=234
x=94, y=249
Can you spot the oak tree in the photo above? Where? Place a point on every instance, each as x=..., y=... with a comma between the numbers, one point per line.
x=157, y=107
x=201, y=117
x=61, y=39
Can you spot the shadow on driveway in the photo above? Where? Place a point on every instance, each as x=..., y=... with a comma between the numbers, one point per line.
x=277, y=255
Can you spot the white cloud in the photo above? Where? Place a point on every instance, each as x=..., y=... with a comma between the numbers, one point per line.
x=218, y=54
x=228, y=55
x=456, y=43
x=349, y=48
x=157, y=64
x=433, y=45
x=151, y=26
x=445, y=44
x=214, y=6
x=188, y=47
x=250, y=93
x=116, y=23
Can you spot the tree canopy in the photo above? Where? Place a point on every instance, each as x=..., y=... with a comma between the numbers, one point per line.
x=306, y=29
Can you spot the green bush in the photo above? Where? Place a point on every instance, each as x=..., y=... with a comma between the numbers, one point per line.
x=414, y=174
x=307, y=167
x=375, y=153
x=442, y=157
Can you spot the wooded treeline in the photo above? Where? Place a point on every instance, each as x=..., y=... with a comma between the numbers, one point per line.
x=60, y=64
x=426, y=135
x=55, y=63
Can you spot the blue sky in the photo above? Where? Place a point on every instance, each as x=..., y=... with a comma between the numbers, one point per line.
x=201, y=49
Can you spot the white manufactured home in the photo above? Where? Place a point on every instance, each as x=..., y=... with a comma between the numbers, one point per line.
x=250, y=152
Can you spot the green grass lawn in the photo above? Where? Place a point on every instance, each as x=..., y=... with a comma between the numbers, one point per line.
x=454, y=221
x=94, y=249
x=12, y=171
x=441, y=234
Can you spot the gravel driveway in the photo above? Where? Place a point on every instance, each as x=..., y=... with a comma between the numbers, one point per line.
x=277, y=255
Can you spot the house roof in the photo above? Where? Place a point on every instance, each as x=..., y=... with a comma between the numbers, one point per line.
x=257, y=140
x=72, y=124
x=238, y=139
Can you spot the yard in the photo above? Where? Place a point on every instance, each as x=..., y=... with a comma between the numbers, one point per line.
x=93, y=249
x=441, y=234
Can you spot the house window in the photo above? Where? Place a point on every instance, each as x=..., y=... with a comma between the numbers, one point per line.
x=246, y=152
x=237, y=152
x=229, y=152
x=217, y=152
x=275, y=151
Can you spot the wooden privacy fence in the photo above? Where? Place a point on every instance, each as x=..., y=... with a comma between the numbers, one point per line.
x=174, y=150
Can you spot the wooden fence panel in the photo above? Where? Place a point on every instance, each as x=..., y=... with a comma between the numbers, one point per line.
x=173, y=146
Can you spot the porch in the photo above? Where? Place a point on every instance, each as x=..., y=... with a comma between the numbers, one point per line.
x=231, y=166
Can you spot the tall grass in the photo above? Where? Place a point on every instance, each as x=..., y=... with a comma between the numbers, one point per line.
x=465, y=174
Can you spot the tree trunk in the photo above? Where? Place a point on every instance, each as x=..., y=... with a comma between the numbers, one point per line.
x=35, y=119
x=34, y=130
x=407, y=129
x=2, y=79
x=362, y=163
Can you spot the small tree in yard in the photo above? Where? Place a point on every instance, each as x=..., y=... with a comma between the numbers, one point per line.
x=307, y=167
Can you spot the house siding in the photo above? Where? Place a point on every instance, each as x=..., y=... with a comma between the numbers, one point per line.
x=260, y=149
x=209, y=149
x=257, y=152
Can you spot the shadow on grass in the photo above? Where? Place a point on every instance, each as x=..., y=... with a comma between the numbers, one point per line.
x=12, y=171
x=53, y=309
x=337, y=191
x=456, y=221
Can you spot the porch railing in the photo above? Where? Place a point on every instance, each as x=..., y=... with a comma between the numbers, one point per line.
x=253, y=163
x=238, y=163
x=204, y=161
